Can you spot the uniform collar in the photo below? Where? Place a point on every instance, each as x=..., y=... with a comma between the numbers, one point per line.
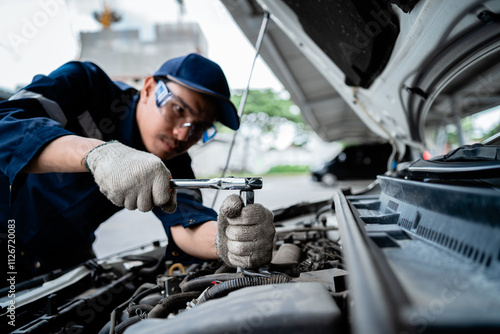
x=129, y=128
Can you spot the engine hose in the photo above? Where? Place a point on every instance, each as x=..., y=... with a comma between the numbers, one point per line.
x=134, y=310
x=173, y=303
x=198, y=273
x=158, y=267
x=223, y=289
x=203, y=282
x=138, y=296
x=120, y=328
x=141, y=292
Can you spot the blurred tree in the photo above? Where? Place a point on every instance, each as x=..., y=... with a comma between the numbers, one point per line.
x=270, y=121
x=268, y=111
x=491, y=133
x=268, y=102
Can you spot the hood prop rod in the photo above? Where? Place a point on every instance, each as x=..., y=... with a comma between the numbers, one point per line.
x=258, y=45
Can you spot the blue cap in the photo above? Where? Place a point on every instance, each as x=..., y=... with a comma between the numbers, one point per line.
x=203, y=75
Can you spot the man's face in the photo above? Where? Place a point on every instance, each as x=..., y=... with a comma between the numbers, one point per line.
x=171, y=129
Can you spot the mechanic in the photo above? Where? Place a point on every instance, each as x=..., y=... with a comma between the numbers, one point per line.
x=76, y=147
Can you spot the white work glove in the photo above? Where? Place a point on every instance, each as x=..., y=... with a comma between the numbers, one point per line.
x=130, y=178
x=245, y=234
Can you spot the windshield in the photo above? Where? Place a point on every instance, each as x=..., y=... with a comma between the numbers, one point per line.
x=463, y=131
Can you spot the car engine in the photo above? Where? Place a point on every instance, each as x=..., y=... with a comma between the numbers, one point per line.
x=303, y=287
x=400, y=257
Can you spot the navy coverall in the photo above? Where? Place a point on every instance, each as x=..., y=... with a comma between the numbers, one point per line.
x=56, y=214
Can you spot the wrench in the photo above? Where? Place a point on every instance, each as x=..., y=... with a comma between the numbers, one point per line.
x=246, y=185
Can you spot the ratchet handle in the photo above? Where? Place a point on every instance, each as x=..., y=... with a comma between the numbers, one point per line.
x=225, y=183
x=246, y=185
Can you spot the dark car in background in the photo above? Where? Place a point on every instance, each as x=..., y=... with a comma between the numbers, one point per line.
x=357, y=162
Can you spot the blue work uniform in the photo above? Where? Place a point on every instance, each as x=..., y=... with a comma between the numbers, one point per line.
x=56, y=214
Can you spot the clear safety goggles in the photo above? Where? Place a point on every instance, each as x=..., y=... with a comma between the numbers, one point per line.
x=174, y=110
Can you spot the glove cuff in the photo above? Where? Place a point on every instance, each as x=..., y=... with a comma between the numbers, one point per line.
x=86, y=157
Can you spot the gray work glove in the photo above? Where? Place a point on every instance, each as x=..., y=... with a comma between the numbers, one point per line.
x=245, y=234
x=130, y=178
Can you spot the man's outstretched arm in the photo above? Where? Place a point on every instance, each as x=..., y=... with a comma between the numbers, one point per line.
x=65, y=154
x=128, y=177
x=197, y=241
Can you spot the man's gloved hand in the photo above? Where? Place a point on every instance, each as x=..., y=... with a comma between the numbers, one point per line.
x=245, y=234
x=131, y=178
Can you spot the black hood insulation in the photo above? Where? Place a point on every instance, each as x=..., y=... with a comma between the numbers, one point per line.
x=357, y=35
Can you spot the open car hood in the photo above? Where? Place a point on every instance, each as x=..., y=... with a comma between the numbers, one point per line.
x=394, y=67
x=416, y=251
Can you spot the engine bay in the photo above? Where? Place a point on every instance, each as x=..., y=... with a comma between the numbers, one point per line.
x=399, y=257
x=303, y=286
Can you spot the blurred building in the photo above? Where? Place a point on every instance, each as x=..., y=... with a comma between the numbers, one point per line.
x=125, y=57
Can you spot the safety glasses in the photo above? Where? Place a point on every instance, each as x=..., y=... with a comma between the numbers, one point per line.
x=176, y=112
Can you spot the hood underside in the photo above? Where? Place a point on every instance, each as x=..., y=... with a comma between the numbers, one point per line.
x=363, y=70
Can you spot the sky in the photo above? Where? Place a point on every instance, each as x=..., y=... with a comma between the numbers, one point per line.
x=37, y=36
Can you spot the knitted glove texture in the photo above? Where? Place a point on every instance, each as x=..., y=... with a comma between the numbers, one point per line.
x=245, y=234
x=131, y=178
